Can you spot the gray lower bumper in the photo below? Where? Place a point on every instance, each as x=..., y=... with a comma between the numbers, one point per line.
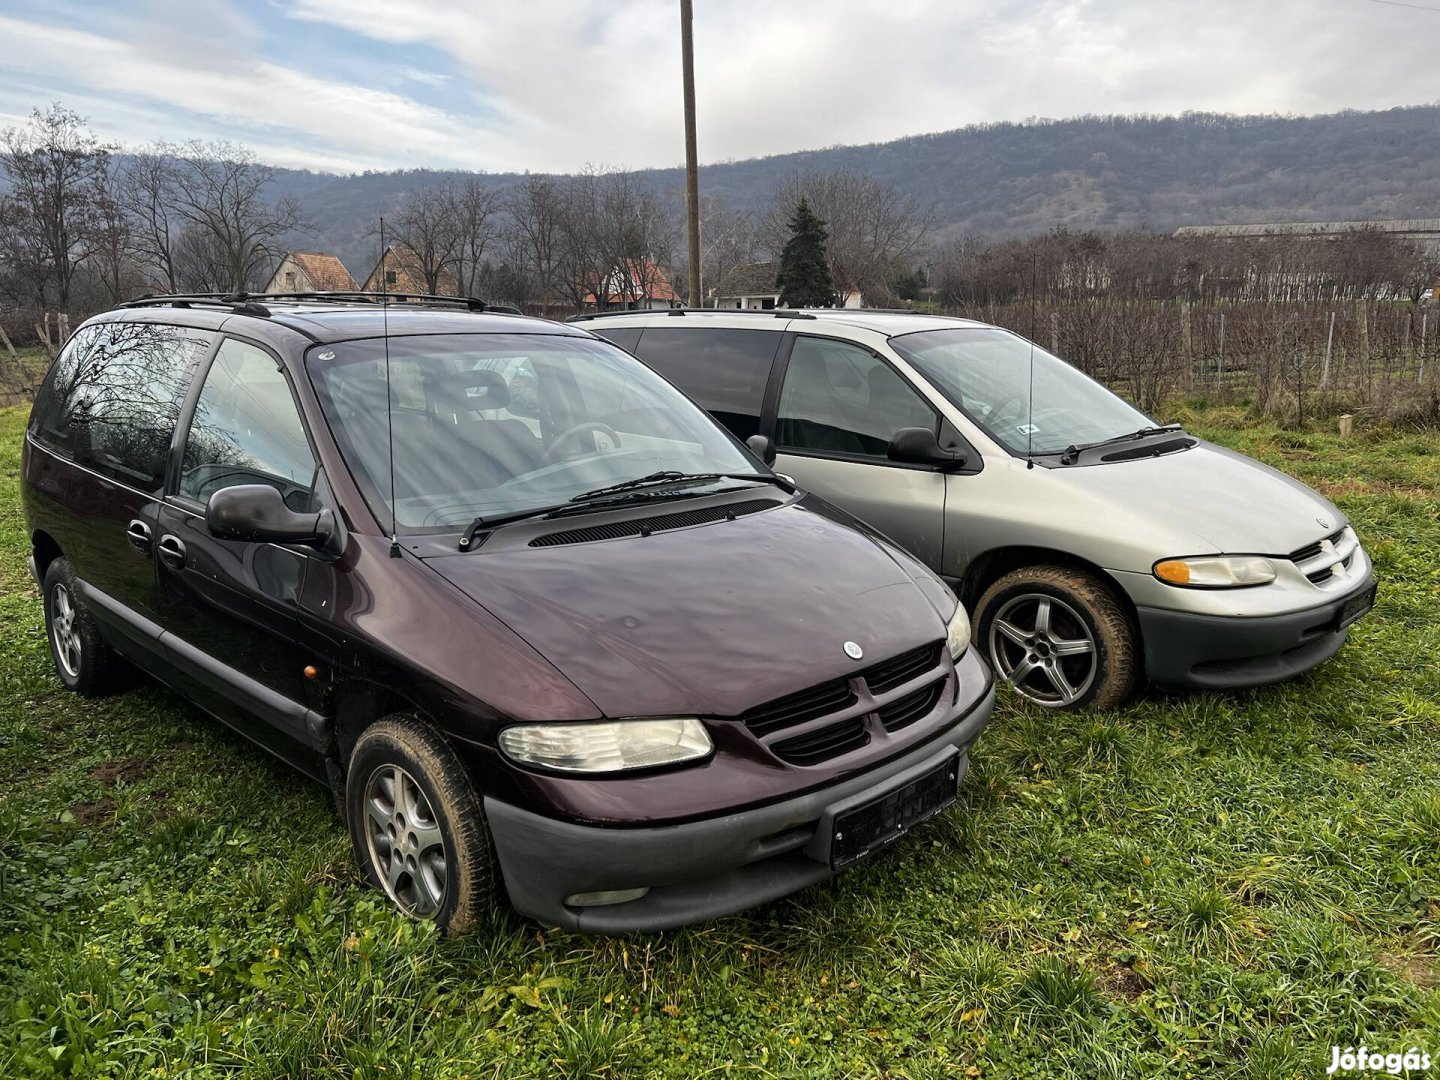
x=1211, y=652
x=699, y=870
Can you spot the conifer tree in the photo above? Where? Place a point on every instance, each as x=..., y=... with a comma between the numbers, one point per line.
x=804, y=277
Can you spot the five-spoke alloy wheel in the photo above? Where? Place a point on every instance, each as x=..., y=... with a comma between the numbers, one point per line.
x=1060, y=637
x=1040, y=645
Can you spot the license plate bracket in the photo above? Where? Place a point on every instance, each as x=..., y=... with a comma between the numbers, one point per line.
x=1357, y=607
x=865, y=829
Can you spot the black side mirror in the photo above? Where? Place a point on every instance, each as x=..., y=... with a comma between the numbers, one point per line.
x=919, y=446
x=257, y=512
x=763, y=447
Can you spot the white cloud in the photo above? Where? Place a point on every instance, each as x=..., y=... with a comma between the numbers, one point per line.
x=552, y=86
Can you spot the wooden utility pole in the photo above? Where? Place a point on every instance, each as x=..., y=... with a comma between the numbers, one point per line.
x=692, y=165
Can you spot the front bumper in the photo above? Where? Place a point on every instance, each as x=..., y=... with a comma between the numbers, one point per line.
x=1219, y=652
x=703, y=869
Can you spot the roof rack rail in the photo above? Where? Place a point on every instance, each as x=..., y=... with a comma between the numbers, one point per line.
x=472, y=303
x=251, y=303
x=773, y=313
x=240, y=303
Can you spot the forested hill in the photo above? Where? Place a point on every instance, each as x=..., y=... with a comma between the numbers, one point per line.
x=1002, y=180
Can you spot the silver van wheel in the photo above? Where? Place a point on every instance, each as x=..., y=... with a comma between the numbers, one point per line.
x=1042, y=647
x=405, y=844
x=64, y=631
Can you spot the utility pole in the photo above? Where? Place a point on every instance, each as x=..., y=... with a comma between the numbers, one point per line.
x=692, y=165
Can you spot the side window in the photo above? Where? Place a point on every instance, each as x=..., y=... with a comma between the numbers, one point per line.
x=724, y=370
x=840, y=399
x=246, y=430
x=627, y=337
x=112, y=399
x=50, y=419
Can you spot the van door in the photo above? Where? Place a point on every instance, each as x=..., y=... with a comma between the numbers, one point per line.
x=106, y=418
x=839, y=406
x=229, y=608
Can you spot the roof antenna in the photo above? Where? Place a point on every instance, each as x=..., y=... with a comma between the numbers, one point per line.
x=1030, y=410
x=389, y=393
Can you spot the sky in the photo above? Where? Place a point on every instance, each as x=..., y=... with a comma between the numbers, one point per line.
x=548, y=86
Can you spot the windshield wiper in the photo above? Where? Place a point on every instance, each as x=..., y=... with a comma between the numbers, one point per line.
x=566, y=509
x=669, y=476
x=1072, y=453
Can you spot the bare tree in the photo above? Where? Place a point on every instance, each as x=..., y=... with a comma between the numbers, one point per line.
x=477, y=219
x=220, y=191
x=428, y=225
x=148, y=191
x=727, y=240
x=532, y=238
x=55, y=170
x=112, y=240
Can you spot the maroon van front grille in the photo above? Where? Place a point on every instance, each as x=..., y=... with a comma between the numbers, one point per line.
x=838, y=696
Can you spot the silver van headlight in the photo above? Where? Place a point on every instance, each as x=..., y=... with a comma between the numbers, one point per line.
x=1216, y=571
x=957, y=633
x=608, y=746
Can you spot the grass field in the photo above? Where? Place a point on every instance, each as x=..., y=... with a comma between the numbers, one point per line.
x=1192, y=885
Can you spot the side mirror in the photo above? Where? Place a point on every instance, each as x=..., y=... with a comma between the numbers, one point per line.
x=919, y=446
x=763, y=447
x=257, y=512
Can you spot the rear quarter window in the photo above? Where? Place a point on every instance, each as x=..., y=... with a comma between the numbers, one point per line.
x=112, y=398
x=724, y=370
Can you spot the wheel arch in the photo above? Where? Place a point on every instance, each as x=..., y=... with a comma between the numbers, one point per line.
x=45, y=549
x=990, y=566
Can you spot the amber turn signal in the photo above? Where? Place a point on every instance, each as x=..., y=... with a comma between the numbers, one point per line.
x=1175, y=571
x=311, y=671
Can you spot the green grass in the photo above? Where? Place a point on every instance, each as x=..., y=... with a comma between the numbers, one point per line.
x=1192, y=885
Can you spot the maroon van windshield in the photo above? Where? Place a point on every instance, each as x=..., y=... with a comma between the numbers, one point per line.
x=496, y=424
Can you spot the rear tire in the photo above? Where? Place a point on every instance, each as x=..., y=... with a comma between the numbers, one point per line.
x=418, y=826
x=1060, y=637
x=83, y=659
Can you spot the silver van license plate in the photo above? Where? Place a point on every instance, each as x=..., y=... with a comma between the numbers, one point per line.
x=1356, y=607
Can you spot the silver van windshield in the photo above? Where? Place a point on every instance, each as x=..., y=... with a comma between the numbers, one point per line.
x=986, y=372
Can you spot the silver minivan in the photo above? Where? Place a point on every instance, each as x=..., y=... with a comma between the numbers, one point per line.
x=1094, y=546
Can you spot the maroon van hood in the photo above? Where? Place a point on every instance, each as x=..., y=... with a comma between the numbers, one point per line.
x=710, y=620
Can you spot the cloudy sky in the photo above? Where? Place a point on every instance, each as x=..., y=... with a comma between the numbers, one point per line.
x=544, y=85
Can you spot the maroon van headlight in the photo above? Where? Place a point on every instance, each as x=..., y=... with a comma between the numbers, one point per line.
x=608, y=746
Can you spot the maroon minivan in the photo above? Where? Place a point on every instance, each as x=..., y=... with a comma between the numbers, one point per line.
x=546, y=629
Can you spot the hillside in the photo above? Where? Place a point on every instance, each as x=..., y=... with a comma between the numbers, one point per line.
x=1002, y=180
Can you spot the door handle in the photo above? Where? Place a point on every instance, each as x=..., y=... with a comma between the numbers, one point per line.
x=138, y=533
x=172, y=552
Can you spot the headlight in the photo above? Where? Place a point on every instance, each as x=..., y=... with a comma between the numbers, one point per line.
x=1216, y=571
x=957, y=638
x=608, y=746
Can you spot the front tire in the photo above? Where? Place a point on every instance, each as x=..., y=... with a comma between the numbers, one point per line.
x=1060, y=637
x=83, y=659
x=417, y=824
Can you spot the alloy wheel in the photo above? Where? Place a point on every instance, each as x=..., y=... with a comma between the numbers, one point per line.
x=1043, y=648
x=65, y=633
x=405, y=844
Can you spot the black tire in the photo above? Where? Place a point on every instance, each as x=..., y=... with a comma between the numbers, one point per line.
x=83, y=659
x=1053, y=670
x=470, y=888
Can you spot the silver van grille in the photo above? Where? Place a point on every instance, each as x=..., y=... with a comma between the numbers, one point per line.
x=1327, y=562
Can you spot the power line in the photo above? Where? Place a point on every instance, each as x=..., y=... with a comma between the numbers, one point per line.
x=1413, y=7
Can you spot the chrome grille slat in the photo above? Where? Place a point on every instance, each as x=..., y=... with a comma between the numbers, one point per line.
x=1317, y=561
